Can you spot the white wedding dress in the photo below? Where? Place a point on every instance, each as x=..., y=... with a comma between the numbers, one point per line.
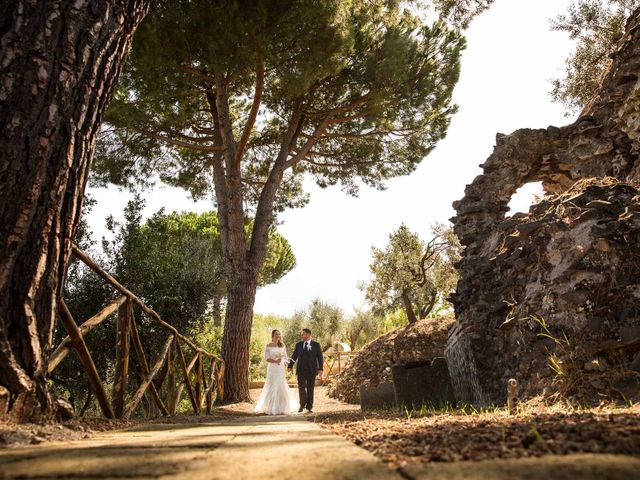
x=276, y=397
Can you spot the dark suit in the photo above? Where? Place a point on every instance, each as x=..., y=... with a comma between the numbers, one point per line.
x=309, y=362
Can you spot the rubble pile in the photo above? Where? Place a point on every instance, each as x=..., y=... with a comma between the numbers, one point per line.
x=421, y=341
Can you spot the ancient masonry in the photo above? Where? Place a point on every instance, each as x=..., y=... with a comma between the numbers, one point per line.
x=571, y=267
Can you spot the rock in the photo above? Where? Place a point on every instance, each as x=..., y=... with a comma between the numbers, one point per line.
x=422, y=341
x=587, y=223
x=630, y=333
x=380, y=396
x=597, y=365
x=423, y=384
x=628, y=387
x=65, y=410
x=4, y=401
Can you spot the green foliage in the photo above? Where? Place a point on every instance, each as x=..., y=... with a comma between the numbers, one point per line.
x=596, y=26
x=292, y=328
x=393, y=320
x=412, y=275
x=376, y=77
x=326, y=321
x=174, y=261
x=209, y=337
x=361, y=328
x=461, y=12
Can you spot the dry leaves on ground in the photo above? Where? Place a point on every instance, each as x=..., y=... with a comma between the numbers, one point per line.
x=448, y=437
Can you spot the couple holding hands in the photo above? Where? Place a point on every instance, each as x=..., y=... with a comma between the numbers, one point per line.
x=276, y=397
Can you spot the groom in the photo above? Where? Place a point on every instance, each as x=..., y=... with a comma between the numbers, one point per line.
x=308, y=354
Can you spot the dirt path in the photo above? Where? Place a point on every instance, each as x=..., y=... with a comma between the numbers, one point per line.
x=288, y=447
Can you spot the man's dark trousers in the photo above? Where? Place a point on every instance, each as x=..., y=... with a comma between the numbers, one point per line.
x=309, y=362
x=306, y=382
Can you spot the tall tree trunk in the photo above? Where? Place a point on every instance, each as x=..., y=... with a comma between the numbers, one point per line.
x=59, y=64
x=408, y=308
x=237, y=335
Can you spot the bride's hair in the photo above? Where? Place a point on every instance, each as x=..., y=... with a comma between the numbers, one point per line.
x=280, y=344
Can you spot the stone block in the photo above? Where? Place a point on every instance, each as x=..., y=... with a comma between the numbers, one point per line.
x=423, y=384
x=381, y=396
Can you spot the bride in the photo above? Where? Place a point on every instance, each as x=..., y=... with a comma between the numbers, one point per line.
x=276, y=398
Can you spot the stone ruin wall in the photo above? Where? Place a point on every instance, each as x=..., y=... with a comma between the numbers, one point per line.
x=532, y=264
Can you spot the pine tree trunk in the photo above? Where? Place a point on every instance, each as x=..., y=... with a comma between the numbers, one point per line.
x=59, y=63
x=237, y=336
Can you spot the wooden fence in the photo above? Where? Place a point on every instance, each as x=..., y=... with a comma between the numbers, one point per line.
x=202, y=377
x=335, y=362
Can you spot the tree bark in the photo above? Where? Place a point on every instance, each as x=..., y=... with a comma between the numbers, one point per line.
x=428, y=308
x=237, y=335
x=408, y=308
x=59, y=64
x=242, y=264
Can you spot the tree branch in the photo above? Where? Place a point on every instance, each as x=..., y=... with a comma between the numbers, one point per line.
x=225, y=127
x=311, y=141
x=198, y=73
x=253, y=113
x=178, y=143
x=341, y=109
x=264, y=210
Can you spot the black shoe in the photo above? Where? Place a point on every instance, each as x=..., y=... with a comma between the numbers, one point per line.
x=300, y=409
x=309, y=410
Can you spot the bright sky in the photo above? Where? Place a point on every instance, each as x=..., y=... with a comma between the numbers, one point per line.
x=506, y=71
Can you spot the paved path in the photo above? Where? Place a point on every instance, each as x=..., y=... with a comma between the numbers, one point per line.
x=240, y=448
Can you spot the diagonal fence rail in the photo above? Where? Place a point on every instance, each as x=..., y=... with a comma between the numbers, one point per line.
x=202, y=377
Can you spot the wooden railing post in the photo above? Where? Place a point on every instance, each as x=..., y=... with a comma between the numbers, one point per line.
x=171, y=378
x=220, y=381
x=144, y=366
x=199, y=381
x=187, y=381
x=125, y=312
x=212, y=382
x=148, y=381
x=65, y=346
x=205, y=390
x=85, y=357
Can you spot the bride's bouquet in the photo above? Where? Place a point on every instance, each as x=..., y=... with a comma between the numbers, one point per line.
x=277, y=355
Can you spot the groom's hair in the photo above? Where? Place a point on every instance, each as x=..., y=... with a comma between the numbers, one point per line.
x=307, y=330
